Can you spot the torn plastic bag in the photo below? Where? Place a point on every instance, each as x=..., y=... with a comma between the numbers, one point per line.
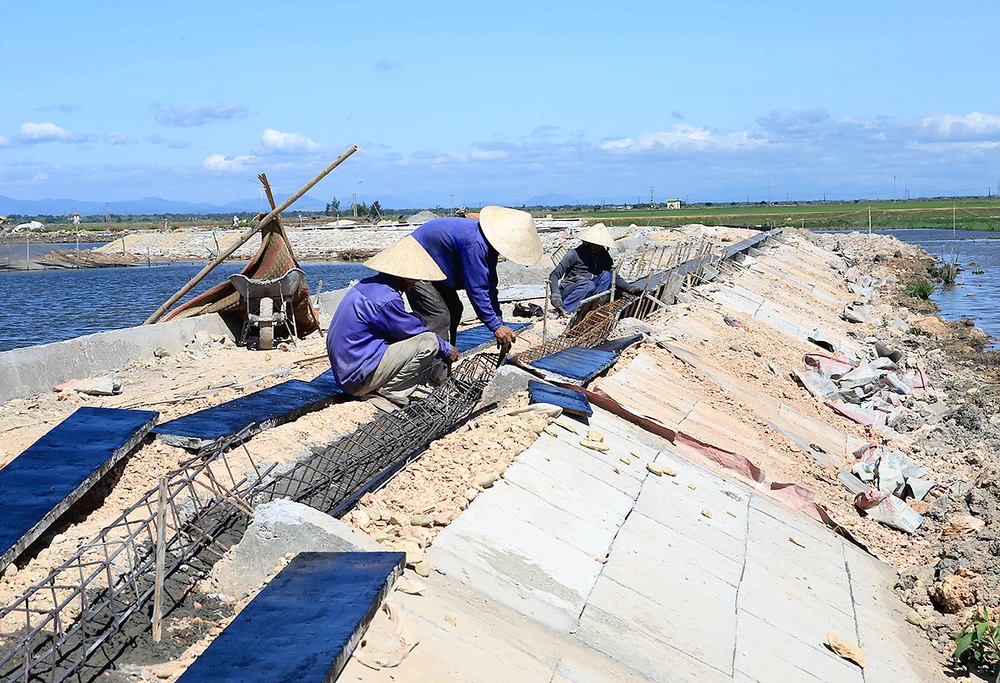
x=895, y=513
x=893, y=381
x=816, y=384
x=854, y=314
x=859, y=377
x=883, y=363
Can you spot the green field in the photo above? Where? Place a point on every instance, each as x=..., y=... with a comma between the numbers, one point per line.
x=968, y=214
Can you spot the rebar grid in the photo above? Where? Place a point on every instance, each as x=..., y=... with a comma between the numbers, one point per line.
x=595, y=327
x=332, y=480
x=66, y=617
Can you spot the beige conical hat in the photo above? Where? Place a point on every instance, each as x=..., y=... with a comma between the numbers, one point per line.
x=598, y=234
x=512, y=233
x=406, y=258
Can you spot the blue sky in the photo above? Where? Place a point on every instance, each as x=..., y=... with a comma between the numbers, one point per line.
x=497, y=102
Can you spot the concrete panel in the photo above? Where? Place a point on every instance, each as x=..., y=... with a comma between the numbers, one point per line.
x=696, y=616
x=557, y=458
x=765, y=653
x=36, y=369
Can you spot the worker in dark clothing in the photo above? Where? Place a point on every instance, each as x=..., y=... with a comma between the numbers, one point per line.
x=585, y=271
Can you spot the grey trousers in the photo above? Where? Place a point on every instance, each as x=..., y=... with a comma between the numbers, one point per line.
x=404, y=365
x=438, y=308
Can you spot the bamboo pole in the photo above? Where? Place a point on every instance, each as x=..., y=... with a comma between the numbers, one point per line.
x=161, y=556
x=247, y=235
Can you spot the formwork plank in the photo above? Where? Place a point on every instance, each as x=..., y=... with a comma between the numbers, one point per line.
x=577, y=363
x=572, y=402
x=305, y=624
x=43, y=482
x=479, y=335
x=254, y=412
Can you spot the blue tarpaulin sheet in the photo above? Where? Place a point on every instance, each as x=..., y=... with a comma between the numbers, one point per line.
x=259, y=411
x=577, y=363
x=479, y=335
x=618, y=345
x=305, y=624
x=41, y=483
x=573, y=402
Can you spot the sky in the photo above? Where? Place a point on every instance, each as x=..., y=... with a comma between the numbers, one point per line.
x=479, y=102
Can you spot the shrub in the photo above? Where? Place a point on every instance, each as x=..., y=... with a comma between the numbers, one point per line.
x=921, y=289
x=978, y=644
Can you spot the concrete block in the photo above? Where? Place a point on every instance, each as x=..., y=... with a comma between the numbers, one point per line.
x=656, y=659
x=646, y=547
x=576, y=492
x=696, y=617
x=278, y=528
x=557, y=455
x=36, y=369
x=507, y=381
x=765, y=653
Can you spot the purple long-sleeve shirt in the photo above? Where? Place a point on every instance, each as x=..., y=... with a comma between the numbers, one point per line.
x=369, y=318
x=459, y=248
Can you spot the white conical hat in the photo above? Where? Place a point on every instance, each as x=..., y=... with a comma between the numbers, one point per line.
x=406, y=258
x=512, y=233
x=598, y=234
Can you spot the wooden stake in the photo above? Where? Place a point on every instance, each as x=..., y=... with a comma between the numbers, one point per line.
x=161, y=557
x=247, y=235
x=545, y=313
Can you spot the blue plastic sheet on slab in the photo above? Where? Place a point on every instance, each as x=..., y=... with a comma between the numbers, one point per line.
x=619, y=345
x=304, y=625
x=479, y=335
x=572, y=402
x=257, y=411
x=577, y=363
x=41, y=483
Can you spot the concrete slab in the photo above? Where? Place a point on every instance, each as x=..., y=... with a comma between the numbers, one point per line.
x=559, y=458
x=697, y=616
x=44, y=481
x=765, y=653
x=305, y=624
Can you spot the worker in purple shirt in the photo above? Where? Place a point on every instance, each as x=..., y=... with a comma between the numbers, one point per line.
x=467, y=251
x=374, y=345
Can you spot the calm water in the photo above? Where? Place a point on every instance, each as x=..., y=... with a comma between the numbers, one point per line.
x=973, y=296
x=42, y=306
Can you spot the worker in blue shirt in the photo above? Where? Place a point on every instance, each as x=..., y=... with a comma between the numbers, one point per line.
x=467, y=250
x=585, y=271
x=374, y=345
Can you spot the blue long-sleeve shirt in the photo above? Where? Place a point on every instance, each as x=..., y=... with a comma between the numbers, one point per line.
x=459, y=248
x=369, y=318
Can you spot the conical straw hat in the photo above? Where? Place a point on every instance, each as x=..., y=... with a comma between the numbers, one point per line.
x=512, y=233
x=406, y=258
x=598, y=234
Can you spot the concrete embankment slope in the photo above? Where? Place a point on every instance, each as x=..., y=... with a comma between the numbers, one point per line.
x=698, y=560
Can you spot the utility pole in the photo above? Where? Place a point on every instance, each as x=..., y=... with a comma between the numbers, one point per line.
x=452, y=204
x=869, y=220
x=824, y=197
x=953, y=209
x=894, y=188
x=769, y=193
x=107, y=213
x=354, y=204
x=652, y=198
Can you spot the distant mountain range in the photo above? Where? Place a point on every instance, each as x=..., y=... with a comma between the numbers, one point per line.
x=149, y=205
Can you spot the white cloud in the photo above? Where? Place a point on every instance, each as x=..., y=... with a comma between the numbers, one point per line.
x=198, y=114
x=219, y=163
x=275, y=142
x=970, y=127
x=116, y=138
x=34, y=133
x=686, y=138
x=4, y=142
x=485, y=154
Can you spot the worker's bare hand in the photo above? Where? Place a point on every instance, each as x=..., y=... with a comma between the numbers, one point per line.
x=505, y=336
x=453, y=356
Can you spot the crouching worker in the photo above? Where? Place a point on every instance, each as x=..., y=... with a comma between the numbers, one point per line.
x=585, y=271
x=374, y=345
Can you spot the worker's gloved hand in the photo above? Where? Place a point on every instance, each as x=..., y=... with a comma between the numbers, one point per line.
x=453, y=356
x=505, y=336
x=635, y=291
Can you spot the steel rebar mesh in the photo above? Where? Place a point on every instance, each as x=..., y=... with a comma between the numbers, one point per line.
x=595, y=327
x=65, y=618
x=61, y=621
x=332, y=479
